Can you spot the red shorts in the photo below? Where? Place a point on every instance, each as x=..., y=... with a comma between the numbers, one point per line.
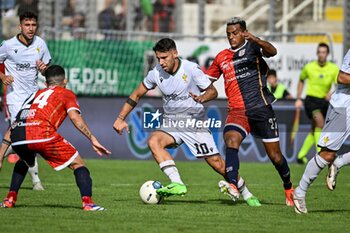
x=58, y=152
x=260, y=122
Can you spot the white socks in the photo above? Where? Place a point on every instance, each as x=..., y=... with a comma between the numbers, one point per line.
x=243, y=189
x=313, y=168
x=342, y=160
x=33, y=172
x=169, y=168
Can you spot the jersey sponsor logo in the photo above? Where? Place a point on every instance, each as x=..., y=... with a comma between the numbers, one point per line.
x=175, y=97
x=239, y=61
x=21, y=124
x=27, y=113
x=24, y=67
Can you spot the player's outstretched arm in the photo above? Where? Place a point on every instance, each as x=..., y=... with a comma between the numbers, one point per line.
x=81, y=125
x=129, y=105
x=210, y=94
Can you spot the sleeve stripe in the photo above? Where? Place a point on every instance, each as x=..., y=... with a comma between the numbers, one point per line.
x=74, y=108
x=212, y=78
x=146, y=86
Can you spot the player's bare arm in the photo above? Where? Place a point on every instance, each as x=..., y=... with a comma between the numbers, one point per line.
x=131, y=102
x=81, y=125
x=343, y=78
x=6, y=79
x=267, y=48
x=210, y=94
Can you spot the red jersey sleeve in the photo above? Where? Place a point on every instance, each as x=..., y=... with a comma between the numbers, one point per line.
x=70, y=101
x=214, y=70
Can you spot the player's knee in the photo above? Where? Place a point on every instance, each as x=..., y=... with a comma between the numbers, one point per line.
x=154, y=143
x=233, y=139
x=232, y=142
x=276, y=157
x=77, y=163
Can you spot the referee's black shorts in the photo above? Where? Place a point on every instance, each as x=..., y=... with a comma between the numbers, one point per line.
x=313, y=104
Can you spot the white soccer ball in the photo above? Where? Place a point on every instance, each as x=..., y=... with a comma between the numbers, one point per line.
x=148, y=192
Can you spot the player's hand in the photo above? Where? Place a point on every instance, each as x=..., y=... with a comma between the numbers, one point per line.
x=250, y=37
x=100, y=150
x=197, y=98
x=298, y=103
x=119, y=125
x=7, y=79
x=41, y=66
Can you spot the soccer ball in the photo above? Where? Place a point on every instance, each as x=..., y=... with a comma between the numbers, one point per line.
x=148, y=192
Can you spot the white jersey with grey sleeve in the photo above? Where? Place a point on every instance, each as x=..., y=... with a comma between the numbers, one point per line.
x=20, y=63
x=337, y=123
x=341, y=96
x=176, y=87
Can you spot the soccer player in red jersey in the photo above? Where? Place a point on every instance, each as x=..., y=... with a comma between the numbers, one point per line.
x=35, y=131
x=249, y=100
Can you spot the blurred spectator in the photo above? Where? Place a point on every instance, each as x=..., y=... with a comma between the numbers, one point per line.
x=143, y=15
x=9, y=19
x=6, y=5
x=27, y=5
x=277, y=89
x=163, y=19
x=73, y=19
x=109, y=20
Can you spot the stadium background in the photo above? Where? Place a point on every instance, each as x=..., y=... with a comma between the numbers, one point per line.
x=106, y=61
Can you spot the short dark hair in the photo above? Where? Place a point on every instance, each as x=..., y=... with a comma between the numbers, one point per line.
x=272, y=72
x=164, y=45
x=237, y=20
x=28, y=15
x=54, y=74
x=323, y=45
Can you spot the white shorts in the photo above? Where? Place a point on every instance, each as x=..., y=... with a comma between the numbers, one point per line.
x=199, y=141
x=336, y=129
x=13, y=110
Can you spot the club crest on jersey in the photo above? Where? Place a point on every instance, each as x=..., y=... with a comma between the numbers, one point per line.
x=241, y=52
x=325, y=140
x=161, y=79
x=184, y=77
x=16, y=50
x=38, y=49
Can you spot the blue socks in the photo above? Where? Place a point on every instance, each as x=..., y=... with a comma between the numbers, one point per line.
x=232, y=165
x=84, y=181
x=19, y=173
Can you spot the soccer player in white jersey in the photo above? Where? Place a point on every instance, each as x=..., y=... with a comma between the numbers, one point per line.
x=334, y=134
x=24, y=56
x=181, y=83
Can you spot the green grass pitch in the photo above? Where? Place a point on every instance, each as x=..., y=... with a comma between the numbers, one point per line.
x=203, y=209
